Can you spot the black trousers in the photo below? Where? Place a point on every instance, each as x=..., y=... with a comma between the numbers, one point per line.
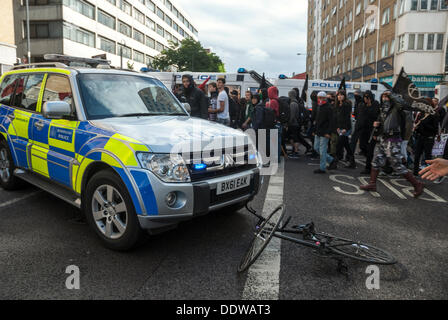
x=424, y=146
x=370, y=151
x=364, y=137
x=342, y=144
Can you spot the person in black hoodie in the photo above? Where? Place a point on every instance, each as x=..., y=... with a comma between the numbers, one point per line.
x=357, y=132
x=426, y=129
x=194, y=97
x=369, y=111
x=312, y=128
x=344, y=127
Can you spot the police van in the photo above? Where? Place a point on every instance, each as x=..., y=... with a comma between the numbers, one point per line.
x=286, y=85
x=120, y=146
x=241, y=81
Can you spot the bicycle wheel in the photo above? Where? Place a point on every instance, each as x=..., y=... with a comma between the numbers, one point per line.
x=357, y=250
x=262, y=237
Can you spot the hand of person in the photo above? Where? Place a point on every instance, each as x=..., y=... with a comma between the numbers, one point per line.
x=438, y=168
x=376, y=124
x=344, y=131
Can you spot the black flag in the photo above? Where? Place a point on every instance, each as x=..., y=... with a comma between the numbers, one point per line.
x=342, y=86
x=407, y=89
x=263, y=84
x=305, y=89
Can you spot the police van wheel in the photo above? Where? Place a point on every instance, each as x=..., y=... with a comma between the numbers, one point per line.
x=7, y=179
x=110, y=212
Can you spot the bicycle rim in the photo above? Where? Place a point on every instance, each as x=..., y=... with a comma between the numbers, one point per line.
x=358, y=251
x=262, y=237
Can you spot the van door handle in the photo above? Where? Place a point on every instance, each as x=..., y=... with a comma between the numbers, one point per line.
x=39, y=125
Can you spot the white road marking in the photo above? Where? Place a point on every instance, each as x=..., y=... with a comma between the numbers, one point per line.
x=398, y=193
x=360, y=162
x=10, y=202
x=263, y=277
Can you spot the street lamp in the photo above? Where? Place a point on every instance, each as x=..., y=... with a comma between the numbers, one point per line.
x=28, y=31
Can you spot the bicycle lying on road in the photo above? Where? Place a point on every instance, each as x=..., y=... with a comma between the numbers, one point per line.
x=324, y=245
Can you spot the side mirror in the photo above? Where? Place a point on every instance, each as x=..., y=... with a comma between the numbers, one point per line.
x=187, y=107
x=56, y=110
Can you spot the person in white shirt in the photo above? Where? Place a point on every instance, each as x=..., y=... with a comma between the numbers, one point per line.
x=222, y=110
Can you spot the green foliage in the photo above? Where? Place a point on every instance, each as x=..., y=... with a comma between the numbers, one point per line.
x=189, y=55
x=130, y=65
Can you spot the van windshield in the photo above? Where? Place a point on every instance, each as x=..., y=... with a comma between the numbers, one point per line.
x=112, y=95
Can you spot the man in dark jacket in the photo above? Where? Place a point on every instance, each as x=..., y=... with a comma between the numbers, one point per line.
x=344, y=127
x=194, y=97
x=369, y=111
x=388, y=132
x=322, y=132
x=293, y=129
x=426, y=130
x=357, y=132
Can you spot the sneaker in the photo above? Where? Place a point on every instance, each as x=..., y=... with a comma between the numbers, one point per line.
x=294, y=155
x=318, y=171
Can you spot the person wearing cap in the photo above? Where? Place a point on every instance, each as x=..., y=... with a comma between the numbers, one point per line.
x=322, y=133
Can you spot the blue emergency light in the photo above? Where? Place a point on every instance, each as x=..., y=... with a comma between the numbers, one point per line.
x=199, y=166
x=242, y=70
x=282, y=76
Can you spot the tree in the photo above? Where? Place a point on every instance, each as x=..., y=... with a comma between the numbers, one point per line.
x=189, y=55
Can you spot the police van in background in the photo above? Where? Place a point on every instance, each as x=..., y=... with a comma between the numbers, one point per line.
x=285, y=85
x=242, y=81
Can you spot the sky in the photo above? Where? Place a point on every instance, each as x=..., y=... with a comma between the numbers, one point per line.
x=260, y=35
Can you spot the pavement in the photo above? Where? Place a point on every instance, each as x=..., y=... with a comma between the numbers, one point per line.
x=40, y=237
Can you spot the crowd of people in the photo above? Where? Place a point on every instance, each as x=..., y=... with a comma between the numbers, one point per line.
x=391, y=135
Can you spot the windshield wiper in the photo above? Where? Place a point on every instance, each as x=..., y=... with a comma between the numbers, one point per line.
x=136, y=115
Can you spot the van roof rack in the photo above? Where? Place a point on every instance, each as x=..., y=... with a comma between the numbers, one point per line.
x=77, y=61
x=40, y=65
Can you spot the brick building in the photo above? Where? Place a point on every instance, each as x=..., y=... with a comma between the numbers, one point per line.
x=367, y=39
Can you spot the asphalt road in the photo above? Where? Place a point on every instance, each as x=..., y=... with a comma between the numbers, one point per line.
x=40, y=237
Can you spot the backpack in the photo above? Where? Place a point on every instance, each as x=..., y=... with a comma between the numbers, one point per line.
x=304, y=114
x=284, y=110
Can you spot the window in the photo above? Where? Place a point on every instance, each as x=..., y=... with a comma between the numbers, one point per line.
x=340, y=25
x=160, y=31
x=150, y=42
x=420, y=41
x=150, y=24
x=371, y=55
x=385, y=49
x=125, y=51
x=79, y=35
x=139, y=36
x=160, y=14
x=82, y=7
x=392, y=46
x=395, y=10
x=372, y=25
x=358, y=9
x=443, y=5
x=38, y=30
x=168, y=36
x=124, y=29
x=364, y=58
x=411, y=42
x=175, y=26
x=112, y=1
x=107, y=45
x=149, y=60
x=7, y=89
x=386, y=17
x=423, y=4
x=140, y=17
x=401, y=43
x=106, y=19
x=31, y=91
x=168, y=20
x=434, y=4
x=125, y=6
x=349, y=65
x=57, y=88
x=430, y=42
x=350, y=16
x=414, y=4
x=159, y=46
x=151, y=6
x=139, y=56
x=439, y=44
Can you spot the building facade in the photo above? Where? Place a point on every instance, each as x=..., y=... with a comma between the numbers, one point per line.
x=130, y=32
x=7, y=47
x=363, y=40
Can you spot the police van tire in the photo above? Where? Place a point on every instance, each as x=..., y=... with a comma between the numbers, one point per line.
x=132, y=235
x=8, y=180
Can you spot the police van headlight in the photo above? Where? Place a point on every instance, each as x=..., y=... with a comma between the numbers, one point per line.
x=167, y=167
